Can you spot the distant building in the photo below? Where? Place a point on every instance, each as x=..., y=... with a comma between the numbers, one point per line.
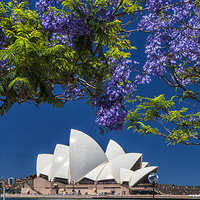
x=11, y=181
x=84, y=168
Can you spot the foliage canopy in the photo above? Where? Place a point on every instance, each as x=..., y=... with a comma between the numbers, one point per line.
x=70, y=49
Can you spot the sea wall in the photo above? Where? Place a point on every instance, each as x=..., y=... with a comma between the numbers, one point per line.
x=101, y=197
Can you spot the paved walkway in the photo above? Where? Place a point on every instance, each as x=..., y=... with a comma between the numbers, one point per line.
x=101, y=197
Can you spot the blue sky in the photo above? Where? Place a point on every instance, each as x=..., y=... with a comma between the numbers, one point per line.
x=27, y=131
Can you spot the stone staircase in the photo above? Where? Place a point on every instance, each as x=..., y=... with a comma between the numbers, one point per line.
x=32, y=188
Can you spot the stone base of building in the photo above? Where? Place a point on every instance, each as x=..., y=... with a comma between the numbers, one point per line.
x=41, y=185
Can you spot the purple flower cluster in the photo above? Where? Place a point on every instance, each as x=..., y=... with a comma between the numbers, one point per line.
x=193, y=119
x=155, y=5
x=174, y=41
x=42, y=6
x=82, y=24
x=104, y=15
x=3, y=38
x=3, y=63
x=73, y=26
x=51, y=20
x=58, y=39
x=110, y=112
x=114, y=3
x=64, y=28
x=71, y=91
x=142, y=79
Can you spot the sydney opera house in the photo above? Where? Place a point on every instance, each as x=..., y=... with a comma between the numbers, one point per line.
x=84, y=168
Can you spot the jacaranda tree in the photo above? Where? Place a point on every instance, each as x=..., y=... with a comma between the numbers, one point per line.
x=173, y=55
x=71, y=49
x=66, y=50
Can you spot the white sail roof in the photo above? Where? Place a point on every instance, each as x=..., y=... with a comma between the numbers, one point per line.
x=44, y=163
x=114, y=150
x=125, y=175
x=93, y=175
x=145, y=164
x=126, y=161
x=84, y=158
x=140, y=173
x=106, y=173
x=63, y=172
x=85, y=155
x=60, y=157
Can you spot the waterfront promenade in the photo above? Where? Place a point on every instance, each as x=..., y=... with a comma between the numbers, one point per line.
x=102, y=196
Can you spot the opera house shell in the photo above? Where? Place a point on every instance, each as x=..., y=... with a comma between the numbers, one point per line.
x=84, y=160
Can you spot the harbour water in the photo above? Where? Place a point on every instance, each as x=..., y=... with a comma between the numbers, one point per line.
x=110, y=197
x=85, y=199
x=98, y=199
